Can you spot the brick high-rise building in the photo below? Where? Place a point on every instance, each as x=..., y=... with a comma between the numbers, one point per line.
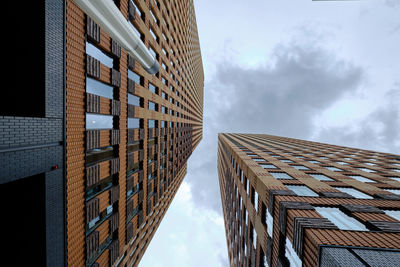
x=289, y=202
x=94, y=137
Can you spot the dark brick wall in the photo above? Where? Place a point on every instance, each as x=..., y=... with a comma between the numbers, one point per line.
x=25, y=131
x=55, y=218
x=23, y=163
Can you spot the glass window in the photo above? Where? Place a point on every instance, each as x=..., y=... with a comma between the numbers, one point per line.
x=342, y=163
x=133, y=123
x=395, y=178
x=320, y=177
x=152, y=106
x=134, y=77
x=99, y=88
x=302, y=190
x=334, y=169
x=135, y=30
x=267, y=166
x=300, y=167
x=286, y=160
x=353, y=192
x=154, y=17
x=153, y=34
x=340, y=219
x=152, y=88
x=137, y=9
x=259, y=160
x=365, y=170
x=362, y=179
x=152, y=52
x=394, y=191
x=133, y=100
x=96, y=121
x=281, y=175
x=393, y=213
x=314, y=161
x=164, y=110
x=256, y=200
x=152, y=123
x=99, y=55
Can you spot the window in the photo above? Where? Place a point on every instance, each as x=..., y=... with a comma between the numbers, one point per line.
x=302, y=190
x=395, y=178
x=135, y=77
x=365, y=170
x=152, y=88
x=99, y=88
x=341, y=163
x=154, y=17
x=334, y=169
x=95, y=121
x=256, y=200
x=259, y=160
x=133, y=123
x=164, y=66
x=314, y=161
x=286, y=161
x=340, y=219
x=25, y=95
x=394, y=191
x=99, y=55
x=152, y=106
x=30, y=190
x=153, y=52
x=267, y=166
x=151, y=123
x=353, y=192
x=362, y=179
x=164, y=110
x=300, y=167
x=133, y=100
x=153, y=34
x=281, y=175
x=393, y=213
x=137, y=9
x=320, y=177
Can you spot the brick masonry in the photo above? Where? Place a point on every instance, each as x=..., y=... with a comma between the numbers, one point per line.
x=281, y=219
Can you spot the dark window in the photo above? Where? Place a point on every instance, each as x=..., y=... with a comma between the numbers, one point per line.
x=25, y=237
x=24, y=95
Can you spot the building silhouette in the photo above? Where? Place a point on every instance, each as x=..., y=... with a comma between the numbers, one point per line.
x=289, y=202
x=94, y=145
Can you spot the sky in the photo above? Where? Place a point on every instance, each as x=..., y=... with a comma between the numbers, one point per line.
x=325, y=71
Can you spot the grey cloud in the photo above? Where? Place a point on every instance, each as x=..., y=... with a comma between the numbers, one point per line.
x=366, y=135
x=393, y=3
x=279, y=99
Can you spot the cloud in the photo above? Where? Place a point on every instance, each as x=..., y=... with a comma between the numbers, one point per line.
x=280, y=98
x=190, y=244
x=379, y=131
x=393, y=3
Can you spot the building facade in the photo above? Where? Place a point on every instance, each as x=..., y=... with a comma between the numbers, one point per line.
x=289, y=202
x=104, y=141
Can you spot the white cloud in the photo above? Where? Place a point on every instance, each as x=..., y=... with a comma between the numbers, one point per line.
x=187, y=236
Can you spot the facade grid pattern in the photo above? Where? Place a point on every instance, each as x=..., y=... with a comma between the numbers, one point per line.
x=125, y=157
x=267, y=224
